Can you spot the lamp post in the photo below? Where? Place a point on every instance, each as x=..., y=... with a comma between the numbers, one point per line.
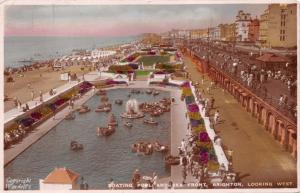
x=208, y=47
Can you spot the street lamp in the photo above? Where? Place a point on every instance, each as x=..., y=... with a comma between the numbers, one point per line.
x=208, y=48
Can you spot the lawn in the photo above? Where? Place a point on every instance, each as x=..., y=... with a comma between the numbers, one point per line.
x=150, y=60
x=142, y=72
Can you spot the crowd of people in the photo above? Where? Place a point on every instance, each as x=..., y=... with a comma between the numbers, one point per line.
x=256, y=77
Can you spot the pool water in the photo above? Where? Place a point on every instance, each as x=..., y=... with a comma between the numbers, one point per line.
x=102, y=158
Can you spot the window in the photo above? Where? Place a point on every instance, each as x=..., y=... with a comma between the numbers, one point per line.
x=280, y=38
x=283, y=38
x=283, y=32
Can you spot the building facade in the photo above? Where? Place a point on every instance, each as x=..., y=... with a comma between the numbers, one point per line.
x=198, y=33
x=227, y=32
x=282, y=25
x=253, y=34
x=263, y=29
x=214, y=33
x=242, y=23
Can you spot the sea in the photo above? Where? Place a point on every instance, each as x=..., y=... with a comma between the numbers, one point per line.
x=18, y=49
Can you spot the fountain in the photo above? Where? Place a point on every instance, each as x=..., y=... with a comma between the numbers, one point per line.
x=132, y=110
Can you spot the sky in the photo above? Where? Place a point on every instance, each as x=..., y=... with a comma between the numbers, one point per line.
x=117, y=20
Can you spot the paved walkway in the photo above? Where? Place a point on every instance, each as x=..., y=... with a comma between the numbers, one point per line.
x=13, y=113
x=179, y=124
x=257, y=156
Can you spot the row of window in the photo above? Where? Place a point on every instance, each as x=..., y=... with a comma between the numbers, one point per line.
x=282, y=32
x=282, y=38
x=283, y=17
x=282, y=23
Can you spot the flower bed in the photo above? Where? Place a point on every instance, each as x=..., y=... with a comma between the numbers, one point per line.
x=131, y=58
x=204, y=147
x=84, y=87
x=27, y=122
x=36, y=116
x=121, y=69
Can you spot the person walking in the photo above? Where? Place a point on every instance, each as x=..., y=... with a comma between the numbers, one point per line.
x=154, y=180
x=41, y=96
x=212, y=102
x=183, y=145
x=27, y=107
x=216, y=117
x=184, y=175
x=32, y=95
x=19, y=104
x=16, y=101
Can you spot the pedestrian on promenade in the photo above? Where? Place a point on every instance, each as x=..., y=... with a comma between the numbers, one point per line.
x=285, y=100
x=208, y=90
x=216, y=117
x=19, y=104
x=280, y=100
x=184, y=174
x=154, y=180
x=32, y=95
x=221, y=170
x=16, y=101
x=265, y=92
x=70, y=104
x=188, y=126
x=41, y=96
x=230, y=154
x=54, y=113
x=183, y=145
x=27, y=107
x=212, y=102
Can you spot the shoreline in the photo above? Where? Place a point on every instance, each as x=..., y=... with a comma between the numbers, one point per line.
x=43, y=75
x=50, y=57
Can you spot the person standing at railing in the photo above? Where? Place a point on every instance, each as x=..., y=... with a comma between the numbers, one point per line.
x=281, y=100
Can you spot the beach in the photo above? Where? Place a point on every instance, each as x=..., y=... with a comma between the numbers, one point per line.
x=42, y=79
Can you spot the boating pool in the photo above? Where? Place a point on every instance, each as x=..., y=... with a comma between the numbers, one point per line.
x=102, y=158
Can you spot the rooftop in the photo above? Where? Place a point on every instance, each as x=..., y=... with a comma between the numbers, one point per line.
x=61, y=176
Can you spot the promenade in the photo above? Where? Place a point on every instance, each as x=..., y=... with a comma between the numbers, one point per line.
x=256, y=157
x=15, y=112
